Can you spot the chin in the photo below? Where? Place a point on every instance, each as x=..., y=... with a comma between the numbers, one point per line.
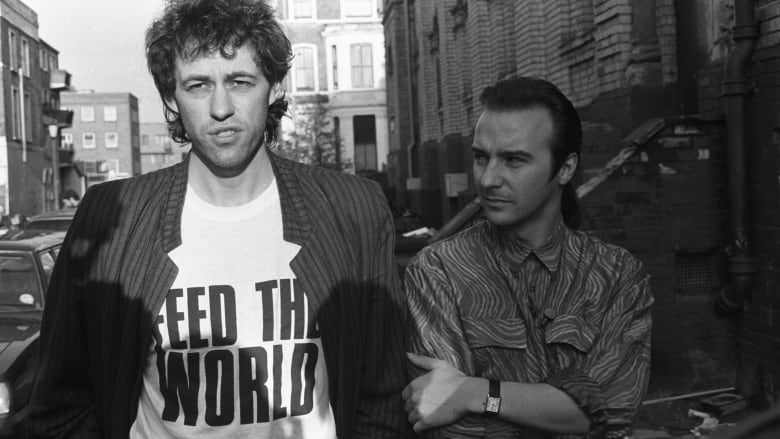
x=500, y=219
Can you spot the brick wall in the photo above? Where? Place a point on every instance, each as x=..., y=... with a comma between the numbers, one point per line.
x=759, y=330
x=667, y=205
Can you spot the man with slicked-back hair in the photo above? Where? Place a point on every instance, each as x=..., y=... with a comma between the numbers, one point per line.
x=236, y=294
x=523, y=326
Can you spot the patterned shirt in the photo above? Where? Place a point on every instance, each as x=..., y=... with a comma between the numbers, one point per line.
x=574, y=313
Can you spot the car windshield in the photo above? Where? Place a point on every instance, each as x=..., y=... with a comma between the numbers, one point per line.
x=19, y=284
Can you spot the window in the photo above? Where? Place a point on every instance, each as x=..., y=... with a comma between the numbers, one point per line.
x=109, y=113
x=144, y=139
x=16, y=111
x=28, y=112
x=87, y=114
x=88, y=140
x=362, y=66
x=357, y=8
x=110, y=166
x=42, y=59
x=160, y=139
x=390, y=60
x=112, y=140
x=302, y=9
x=67, y=140
x=26, y=57
x=12, y=50
x=365, y=143
x=52, y=62
x=335, y=58
x=304, y=69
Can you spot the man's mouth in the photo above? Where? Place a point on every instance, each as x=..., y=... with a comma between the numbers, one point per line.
x=494, y=200
x=225, y=133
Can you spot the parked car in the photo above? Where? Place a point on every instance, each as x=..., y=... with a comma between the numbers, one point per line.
x=58, y=220
x=26, y=263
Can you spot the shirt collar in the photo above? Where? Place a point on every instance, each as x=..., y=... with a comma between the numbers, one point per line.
x=516, y=252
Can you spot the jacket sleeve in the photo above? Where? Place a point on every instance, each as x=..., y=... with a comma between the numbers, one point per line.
x=380, y=406
x=610, y=382
x=62, y=402
x=436, y=331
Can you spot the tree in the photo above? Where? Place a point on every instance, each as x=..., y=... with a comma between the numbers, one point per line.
x=313, y=140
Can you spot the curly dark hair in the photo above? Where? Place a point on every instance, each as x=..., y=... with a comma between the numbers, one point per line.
x=527, y=92
x=189, y=29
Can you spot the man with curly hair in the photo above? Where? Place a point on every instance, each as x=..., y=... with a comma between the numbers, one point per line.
x=236, y=294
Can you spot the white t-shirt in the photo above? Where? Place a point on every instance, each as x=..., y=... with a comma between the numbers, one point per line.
x=236, y=352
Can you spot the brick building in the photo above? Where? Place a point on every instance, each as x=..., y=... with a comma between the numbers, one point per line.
x=158, y=150
x=680, y=103
x=338, y=65
x=105, y=134
x=34, y=167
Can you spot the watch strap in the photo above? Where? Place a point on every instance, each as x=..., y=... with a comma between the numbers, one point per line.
x=494, y=389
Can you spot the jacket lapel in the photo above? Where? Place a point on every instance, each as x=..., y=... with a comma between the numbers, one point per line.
x=297, y=224
x=312, y=266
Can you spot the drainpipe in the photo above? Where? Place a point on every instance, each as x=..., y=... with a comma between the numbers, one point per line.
x=736, y=88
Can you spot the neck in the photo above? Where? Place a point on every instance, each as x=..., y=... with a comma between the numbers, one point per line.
x=533, y=232
x=234, y=190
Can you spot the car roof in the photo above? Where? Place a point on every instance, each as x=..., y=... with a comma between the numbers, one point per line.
x=65, y=214
x=30, y=240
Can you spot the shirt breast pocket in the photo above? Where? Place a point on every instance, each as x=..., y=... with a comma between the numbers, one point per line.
x=568, y=338
x=495, y=342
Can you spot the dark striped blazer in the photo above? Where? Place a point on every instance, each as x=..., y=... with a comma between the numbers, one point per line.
x=113, y=273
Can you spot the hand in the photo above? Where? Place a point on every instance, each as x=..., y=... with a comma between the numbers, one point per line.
x=441, y=396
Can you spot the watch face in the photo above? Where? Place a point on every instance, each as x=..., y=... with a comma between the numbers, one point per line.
x=493, y=404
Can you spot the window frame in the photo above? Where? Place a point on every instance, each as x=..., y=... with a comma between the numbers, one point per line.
x=16, y=116
x=291, y=10
x=115, y=143
x=314, y=71
x=345, y=9
x=67, y=140
x=107, y=109
x=87, y=110
x=13, y=62
x=361, y=67
x=84, y=143
x=25, y=56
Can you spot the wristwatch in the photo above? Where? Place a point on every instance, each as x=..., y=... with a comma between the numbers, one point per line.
x=493, y=402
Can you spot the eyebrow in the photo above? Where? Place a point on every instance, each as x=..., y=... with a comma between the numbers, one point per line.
x=522, y=154
x=229, y=76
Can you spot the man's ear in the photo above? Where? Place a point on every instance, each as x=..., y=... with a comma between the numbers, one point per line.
x=568, y=169
x=276, y=93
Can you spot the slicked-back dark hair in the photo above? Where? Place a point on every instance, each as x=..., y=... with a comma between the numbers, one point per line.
x=528, y=93
x=189, y=29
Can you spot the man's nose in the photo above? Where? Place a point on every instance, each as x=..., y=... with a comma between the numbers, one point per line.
x=491, y=175
x=221, y=103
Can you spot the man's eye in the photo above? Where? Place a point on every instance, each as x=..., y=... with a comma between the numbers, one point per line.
x=514, y=161
x=196, y=86
x=241, y=84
